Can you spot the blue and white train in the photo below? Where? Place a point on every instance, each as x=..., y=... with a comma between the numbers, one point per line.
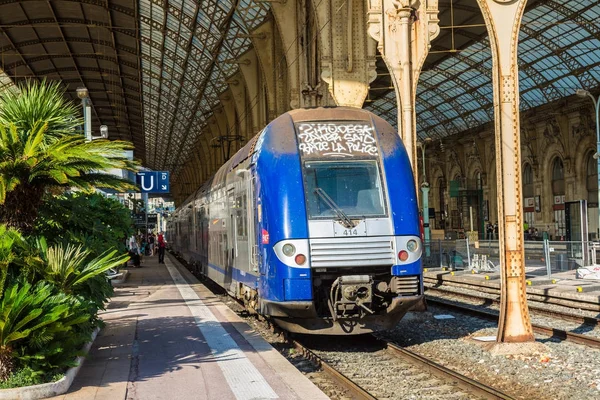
x=314, y=223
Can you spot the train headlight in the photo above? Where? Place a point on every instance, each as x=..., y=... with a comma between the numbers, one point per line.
x=412, y=245
x=288, y=249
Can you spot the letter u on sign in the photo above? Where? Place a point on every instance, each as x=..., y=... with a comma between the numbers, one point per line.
x=143, y=179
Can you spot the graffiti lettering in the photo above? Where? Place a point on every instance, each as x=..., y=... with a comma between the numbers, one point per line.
x=340, y=139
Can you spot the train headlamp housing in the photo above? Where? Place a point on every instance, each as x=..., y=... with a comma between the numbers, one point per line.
x=294, y=253
x=408, y=249
x=288, y=249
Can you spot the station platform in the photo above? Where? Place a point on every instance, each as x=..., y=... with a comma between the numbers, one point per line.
x=168, y=337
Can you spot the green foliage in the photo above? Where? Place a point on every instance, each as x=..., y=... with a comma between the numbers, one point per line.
x=8, y=240
x=27, y=377
x=88, y=219
x=33, y=321
x=67, y=268
x=51, y=291
x=59, y=349
x=40, y=103
x=41, y=150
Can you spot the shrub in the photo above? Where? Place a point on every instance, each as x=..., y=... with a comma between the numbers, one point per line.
x=34, y=318
x=70, y=270
x=88, y=219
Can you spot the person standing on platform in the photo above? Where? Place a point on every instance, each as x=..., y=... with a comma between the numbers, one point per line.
x=151, y=244
x=134, y=251
x=161, y=248
x=496, y=231
x=489, y=230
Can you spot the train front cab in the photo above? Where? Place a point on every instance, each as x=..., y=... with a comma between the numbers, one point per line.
x=346, y=257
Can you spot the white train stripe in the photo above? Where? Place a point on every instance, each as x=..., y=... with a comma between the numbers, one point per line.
x=245, y=381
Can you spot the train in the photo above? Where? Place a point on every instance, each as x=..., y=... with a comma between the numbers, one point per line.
x=314, y=224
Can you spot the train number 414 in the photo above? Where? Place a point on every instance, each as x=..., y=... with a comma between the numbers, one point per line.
x=350, y=232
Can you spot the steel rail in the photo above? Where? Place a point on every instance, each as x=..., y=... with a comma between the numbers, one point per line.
x=544, y=330
x=357, y=391
x=537, y=309
x=539, y=298
x=462, y=381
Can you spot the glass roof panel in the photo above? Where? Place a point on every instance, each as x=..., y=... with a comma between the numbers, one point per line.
x=201, y=74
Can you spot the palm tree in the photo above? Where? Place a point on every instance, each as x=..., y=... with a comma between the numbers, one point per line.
x=41, y=150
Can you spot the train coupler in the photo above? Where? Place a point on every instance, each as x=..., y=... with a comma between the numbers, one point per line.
x=351, y=296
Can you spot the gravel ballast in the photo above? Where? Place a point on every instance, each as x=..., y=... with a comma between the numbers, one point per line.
x=564, y=371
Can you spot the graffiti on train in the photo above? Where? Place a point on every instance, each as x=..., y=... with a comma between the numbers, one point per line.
x=336, y=139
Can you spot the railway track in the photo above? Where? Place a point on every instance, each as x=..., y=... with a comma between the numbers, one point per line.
x=447, y=383
x=544, y=330
x=545, y=298
x=532, y=307
x=356, y=391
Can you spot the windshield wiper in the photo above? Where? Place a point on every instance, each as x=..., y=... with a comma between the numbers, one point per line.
x=329, y=201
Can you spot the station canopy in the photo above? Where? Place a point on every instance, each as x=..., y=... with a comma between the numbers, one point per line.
x=155, y=68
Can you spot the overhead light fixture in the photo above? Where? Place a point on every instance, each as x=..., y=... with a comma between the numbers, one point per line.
x=582, y=93
x=82, y=92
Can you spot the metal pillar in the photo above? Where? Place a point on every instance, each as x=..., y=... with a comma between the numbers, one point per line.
x=87, y=116
x=83, y=94
x=404, y=41
x=503, y=20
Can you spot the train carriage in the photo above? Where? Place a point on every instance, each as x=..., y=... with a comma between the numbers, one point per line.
x=313, y=223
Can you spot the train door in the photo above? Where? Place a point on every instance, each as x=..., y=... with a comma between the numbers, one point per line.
x=252, y=224
x=240, y=212
x=231, y=240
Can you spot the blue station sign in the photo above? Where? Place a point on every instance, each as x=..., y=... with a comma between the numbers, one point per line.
x=153, y=181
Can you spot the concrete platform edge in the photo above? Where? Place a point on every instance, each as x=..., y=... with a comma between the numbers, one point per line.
x=51, y=389
x=292, y=377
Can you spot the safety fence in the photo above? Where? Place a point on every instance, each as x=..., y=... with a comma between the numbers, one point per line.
x=542, y=257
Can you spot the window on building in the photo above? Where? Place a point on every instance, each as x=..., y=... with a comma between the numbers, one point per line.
x=558, y=192
x=527, y=181
x=528, y=202
x=441, y=206
x=456, y=201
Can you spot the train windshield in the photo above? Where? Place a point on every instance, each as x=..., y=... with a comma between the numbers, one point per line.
x=343, y=189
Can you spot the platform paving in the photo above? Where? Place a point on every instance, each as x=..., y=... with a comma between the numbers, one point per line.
x=168, y=337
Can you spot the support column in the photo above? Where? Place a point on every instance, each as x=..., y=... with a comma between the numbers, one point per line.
x=503, y=20
x=404, y=42
x=347, y=52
